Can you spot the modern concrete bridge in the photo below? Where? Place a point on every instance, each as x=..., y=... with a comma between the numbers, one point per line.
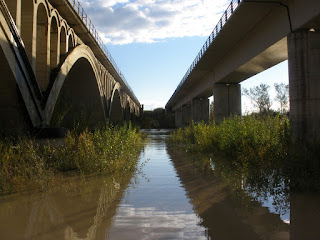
x=55, y=70
x=252, y=36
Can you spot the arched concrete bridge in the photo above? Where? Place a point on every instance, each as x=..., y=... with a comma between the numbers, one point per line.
x=252, y=36
x=55, y=70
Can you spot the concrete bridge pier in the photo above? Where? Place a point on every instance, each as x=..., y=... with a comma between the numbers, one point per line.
x=200, y=110
x=197, y=111
x=304, y=85
x=186, y=115
x=227, y=100
x=178, y=117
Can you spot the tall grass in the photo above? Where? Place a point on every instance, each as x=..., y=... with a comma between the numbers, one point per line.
x=251, y=152
x=251, y=140
x=26, y=164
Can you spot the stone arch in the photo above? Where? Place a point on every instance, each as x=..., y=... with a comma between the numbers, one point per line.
x=71, y=40
x=116, y=107
x=27, y=21
x=54, y=30
x=76, y=84
x=42, y=68
x=63, y=42
x=127, y=112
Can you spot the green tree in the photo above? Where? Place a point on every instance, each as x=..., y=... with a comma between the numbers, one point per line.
x=282, y=96
x=259, y=96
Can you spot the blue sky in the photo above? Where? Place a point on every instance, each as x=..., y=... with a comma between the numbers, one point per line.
x=154, y=42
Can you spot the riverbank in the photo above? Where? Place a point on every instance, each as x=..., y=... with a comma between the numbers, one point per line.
x=26, y=164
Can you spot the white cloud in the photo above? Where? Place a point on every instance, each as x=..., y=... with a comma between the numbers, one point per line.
x=124, y=21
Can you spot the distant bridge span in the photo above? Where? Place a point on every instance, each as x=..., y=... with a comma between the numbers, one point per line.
x=252, y=36
x=55, y=70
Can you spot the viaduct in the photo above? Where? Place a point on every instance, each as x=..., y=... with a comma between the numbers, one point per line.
x=252, y=36
x=55, y=70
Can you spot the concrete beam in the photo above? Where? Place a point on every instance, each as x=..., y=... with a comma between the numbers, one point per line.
x=304, y=85
x=227, y=101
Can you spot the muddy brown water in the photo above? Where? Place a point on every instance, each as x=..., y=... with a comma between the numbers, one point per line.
x=168, y=198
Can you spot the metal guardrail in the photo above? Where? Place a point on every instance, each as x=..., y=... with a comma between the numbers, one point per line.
x=84, y=17
x=223, y=20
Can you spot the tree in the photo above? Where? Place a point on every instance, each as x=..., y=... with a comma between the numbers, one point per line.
x=282, y=96
x=259, y=96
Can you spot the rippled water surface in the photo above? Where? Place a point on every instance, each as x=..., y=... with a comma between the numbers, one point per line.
x=170, y=197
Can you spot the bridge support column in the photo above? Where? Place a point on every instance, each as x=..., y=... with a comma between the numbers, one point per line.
x=200, y=110
x=186, y=115
x=304, y=85
x=227, y=101
x=178, y=117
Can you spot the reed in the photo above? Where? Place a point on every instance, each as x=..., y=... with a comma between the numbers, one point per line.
x=253, y=140
x=26, y=164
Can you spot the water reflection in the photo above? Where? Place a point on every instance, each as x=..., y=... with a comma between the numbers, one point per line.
x=79, y=209
x=157, y=206
x=176, y=195
x=226, y=213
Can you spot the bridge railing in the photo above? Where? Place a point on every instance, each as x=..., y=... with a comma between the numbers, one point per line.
x=83, y=15
x=223, y=20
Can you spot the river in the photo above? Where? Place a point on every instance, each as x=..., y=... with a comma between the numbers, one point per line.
x=169, y=197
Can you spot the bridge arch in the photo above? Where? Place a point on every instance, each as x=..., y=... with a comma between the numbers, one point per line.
x=41, y=65
x=75, y=95
x=54, y=30
x=63, y=41
x=116, y=107
x=27, y=21
x=71, y=40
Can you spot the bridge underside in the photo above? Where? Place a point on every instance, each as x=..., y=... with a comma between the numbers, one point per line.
x=257, y=36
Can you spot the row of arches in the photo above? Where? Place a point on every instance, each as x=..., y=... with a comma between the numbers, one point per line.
x=50, y=44
x=87, y=92
x=46, y=35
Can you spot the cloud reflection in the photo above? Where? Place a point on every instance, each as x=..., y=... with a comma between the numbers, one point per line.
x=151, y=223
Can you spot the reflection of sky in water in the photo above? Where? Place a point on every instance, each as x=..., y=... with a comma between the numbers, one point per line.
x=156, y=207
x=285, y=217
x=149, y=223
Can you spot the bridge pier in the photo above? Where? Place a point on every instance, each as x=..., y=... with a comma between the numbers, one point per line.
x=178, y=117
x=186, y=115
x=200, y=110
x=227, y=101
x=304, y=85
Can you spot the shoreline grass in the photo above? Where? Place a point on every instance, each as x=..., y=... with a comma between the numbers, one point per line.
x=26, y=164
x=256, y=148
x=238, y=138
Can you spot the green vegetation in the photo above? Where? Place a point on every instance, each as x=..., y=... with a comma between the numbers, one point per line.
x=255, y=151
x=250, y=154
x=242, y=140
x=251, y=145
x=26, y=164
